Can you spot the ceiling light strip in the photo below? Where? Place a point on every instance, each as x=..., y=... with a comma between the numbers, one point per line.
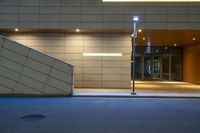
x=102, y=54
x=151, y=0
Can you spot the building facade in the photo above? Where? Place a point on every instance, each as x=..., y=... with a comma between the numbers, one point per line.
x=68, y=29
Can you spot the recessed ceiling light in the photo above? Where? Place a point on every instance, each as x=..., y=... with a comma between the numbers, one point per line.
x=193, y=38
x=16, y=29
x=77, y=30
x=166, y=48
x=143, y=38
x=139, y=30
x=175, y=44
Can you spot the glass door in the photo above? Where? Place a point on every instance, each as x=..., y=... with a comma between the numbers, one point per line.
x=165, y=67
x=147, y=68
x=156, y=67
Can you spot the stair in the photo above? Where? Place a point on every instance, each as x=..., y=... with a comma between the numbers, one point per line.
x=25, y=71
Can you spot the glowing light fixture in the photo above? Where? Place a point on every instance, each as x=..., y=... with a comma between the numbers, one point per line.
x=175, y=44
x=16, y=29
x=102, y=54
x=77, y=30
x=143, y=38
x=193, y=38
x=139, y=30
x=135, y=18
x=151, y=0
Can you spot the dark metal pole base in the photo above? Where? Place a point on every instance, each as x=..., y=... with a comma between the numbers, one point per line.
x=133, y=93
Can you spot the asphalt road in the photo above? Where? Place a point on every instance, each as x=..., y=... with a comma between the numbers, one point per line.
x=99, y=115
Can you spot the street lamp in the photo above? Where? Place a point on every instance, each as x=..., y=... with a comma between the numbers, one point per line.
x=133, y=39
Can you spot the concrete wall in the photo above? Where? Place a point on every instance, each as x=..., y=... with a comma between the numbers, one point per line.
x=98, y=72
x=191, y=64
x=27, y=71
x=93, y=14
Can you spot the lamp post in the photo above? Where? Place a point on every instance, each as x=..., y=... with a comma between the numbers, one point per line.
x=133, y=39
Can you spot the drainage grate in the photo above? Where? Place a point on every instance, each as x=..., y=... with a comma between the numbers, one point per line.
x=33, y=117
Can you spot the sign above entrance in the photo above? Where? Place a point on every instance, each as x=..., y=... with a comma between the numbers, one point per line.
x=151, y=0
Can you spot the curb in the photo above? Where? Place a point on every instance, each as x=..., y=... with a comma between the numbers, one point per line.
x=134, y=96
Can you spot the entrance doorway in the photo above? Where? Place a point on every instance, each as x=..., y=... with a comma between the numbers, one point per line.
x=147, y=67
x=159, y=63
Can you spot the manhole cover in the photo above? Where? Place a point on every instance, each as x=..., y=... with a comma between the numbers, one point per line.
x=33, y=117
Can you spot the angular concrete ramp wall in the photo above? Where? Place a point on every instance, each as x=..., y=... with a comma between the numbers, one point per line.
x=26, y=71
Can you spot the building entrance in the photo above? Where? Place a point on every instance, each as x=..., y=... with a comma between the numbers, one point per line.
x=149, y=67
x=158, y=65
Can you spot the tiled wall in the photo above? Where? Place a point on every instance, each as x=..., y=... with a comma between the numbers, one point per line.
x=94, y=14
x=27, y=71
x=97, y=72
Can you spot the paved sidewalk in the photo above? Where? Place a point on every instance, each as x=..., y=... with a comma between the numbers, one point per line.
x=146, y=88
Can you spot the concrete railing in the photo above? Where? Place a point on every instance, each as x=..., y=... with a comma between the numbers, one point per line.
x=25, y=71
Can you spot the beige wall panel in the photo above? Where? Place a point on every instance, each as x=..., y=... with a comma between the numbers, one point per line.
x=111, y=36
x=113, y=58
x=126, y=64
x=92, y=58
x=112, y=77
x=74, y=57
x=113, y=10
x=92, y=70
x=70, y=18
x=91, y=10
x=73, y=36
x=70, y=10
x=79, y=84
x=91, y=25
x=126, y=50
x=93, y=84
x=19, y=36
x=112, y=42
x=112, y=70
x=93, y=64
x=92, y=49
x=73, y=42
x=94, y=36
x=116, y=84
x=112, y=50
x=126, y=77
x=126, y=70
x=126, y=57
x=92, y=18
x=70, y=47
x=55, y=43
x=74, y=50
x=55, y=36
x=55, y=50
x=78, y=77
x=112, y=64
x=36, y=36
x=96, y=43
x=36, y=43
x=92, y=77
x=127, y=43
x=78, y=70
